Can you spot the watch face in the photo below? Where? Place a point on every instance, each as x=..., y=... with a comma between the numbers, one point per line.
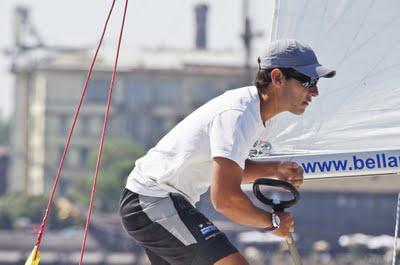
x=276, y=220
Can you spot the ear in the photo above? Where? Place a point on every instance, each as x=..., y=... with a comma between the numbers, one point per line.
x=277, y=77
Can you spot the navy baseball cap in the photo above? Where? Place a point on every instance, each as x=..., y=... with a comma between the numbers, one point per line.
x=291, y=53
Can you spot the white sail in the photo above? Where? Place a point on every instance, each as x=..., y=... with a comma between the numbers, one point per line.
x=358, y=111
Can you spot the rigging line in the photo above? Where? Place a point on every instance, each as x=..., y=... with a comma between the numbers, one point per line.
x=396, y=230
x=103, y=134
x=66, y=147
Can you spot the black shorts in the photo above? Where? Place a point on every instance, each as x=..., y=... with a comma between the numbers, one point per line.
x=172, y=231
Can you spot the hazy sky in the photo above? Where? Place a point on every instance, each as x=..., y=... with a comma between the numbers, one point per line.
x=150, y=23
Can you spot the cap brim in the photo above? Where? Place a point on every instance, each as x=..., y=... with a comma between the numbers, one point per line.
x=316, y=71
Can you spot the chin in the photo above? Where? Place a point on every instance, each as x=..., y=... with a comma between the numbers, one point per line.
x=298, y=112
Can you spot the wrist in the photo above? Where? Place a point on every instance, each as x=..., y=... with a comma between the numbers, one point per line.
x=274, y=222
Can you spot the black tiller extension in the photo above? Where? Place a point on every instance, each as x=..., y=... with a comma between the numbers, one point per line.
x=280, y=206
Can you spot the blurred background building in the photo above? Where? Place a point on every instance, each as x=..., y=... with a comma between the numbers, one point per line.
x=153, y=92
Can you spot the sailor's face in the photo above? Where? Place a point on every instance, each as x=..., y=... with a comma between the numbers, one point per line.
x=300, y=97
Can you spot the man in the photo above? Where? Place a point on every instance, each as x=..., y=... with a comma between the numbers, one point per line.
x=210, y=149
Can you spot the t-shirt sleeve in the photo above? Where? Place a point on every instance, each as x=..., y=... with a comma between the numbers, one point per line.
x=227, y=137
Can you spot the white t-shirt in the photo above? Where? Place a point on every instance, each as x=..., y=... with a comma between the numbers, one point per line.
x=226, y=126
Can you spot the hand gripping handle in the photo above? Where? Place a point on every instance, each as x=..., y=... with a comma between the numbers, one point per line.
x=280, y=206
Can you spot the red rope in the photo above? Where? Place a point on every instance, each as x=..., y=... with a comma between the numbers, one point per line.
x=66, y=147
x=103, y=134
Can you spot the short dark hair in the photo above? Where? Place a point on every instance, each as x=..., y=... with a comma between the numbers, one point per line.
x=263, y=76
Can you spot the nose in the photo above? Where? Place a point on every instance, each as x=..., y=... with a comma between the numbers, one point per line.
x=313, y=91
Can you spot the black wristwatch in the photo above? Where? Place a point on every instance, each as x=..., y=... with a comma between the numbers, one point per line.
x=276, y=222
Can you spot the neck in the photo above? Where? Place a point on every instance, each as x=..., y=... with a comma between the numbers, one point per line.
x=269, y=106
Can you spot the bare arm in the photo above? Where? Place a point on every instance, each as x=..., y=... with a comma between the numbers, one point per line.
x=286, y=171
x=229, y=199
x=255, y=170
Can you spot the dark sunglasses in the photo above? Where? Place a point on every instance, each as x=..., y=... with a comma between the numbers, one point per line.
x=305, y=81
